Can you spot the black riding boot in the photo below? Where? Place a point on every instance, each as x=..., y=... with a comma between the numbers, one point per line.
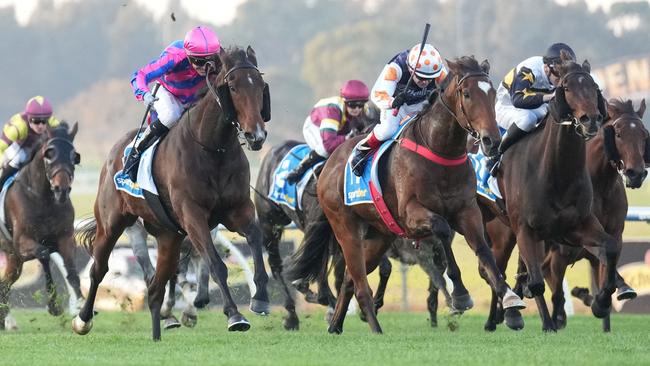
x=7, y=171
x=155, y=130
x=307, y=162
x=513, y=135
x=362, y=151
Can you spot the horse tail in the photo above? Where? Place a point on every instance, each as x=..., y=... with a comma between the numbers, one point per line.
x=309, y=262
x=86, y=233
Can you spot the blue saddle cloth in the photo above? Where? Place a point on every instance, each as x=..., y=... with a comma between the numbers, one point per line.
x=486, y=184
x=357, y=189
x=284, y=193
x=145, y=179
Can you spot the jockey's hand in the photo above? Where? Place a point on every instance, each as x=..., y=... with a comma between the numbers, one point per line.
x=398, y=100
x=353, y=132
x=148, y=98
x=548, y=97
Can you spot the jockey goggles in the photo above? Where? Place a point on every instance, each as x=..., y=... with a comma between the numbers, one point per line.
x=356, y=104
x=198, y=61
x=38, y=120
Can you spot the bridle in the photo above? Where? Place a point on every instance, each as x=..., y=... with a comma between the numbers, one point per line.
x=467, y=126
x=51, y=173
x=574, y=121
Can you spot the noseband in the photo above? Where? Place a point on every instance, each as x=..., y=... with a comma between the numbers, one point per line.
x=468, y=124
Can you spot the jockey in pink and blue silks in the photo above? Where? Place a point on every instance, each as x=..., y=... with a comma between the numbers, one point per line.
x=180, y=70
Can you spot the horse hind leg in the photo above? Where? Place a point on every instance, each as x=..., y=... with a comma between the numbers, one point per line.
x=12, y=271
x=53, y=304
x=169, y=301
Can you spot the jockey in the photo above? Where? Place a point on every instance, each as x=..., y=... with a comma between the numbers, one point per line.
x=330, y=123
x=22, y=132
x=180, y=70
x=390, y=92
x=523, y=96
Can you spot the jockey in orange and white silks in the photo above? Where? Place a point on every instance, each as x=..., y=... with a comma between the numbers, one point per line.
x=523, y=96
x=180, y=70
x=390, y=92
x=22, y=132
x=330, y=122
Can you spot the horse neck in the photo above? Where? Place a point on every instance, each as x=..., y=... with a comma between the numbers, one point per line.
x=208, y=127
x=602, y=172
x=33, y=177
x=440, y=130
x=563, y=154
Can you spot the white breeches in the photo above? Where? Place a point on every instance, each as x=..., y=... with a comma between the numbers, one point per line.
x=168, y=108
x=389, y=124
x=311, y=132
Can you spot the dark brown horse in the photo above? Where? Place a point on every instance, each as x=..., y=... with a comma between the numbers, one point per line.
x=547, y=189
x=618, y=149
x=203, y=179
x=40, y=216
x=425, y=198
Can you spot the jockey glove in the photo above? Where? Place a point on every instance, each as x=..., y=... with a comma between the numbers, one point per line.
x=398, y=100
x=148, y=98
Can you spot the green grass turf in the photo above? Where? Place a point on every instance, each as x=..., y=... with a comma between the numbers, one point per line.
x=125, y=339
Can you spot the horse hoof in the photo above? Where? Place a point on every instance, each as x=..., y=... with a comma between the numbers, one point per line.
x=237, y=323
x=513, y=319
x=201, y=302
x=598, y=310
x=171, y=322
x=334, y=330
x=81, y=327
x=490, y=327
x=189, y=320
x=560, y=322
x=549, y=329
x=260, y=307
x=291, y=322
x=625, y=293
x=55, y=310
x=362, y=316
x=462, y=303
x=329, y=314
x=512, y=301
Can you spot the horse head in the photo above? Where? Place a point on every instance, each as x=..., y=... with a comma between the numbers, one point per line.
x=243, y=95
x=59, y=158
x=578, y=100
x=471, y=99
x=627, y=141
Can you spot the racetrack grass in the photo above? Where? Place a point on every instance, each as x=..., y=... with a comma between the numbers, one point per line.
x=125, y=339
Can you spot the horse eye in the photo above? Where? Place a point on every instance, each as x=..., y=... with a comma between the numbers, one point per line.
x=50, y=154
x=466, y=94
x=618, y=135
x=232, y=89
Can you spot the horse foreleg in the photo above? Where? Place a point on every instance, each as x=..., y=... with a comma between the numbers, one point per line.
x=53, y=305
x=11, y=273
x=138, y=239
x=556, y=265
x=243, y=221
x=385, y=269
x=166, y=267
x=469, y=224
x=592, y=236
x=203, y=285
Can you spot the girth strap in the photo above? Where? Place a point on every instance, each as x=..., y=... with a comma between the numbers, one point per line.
x=430, y=155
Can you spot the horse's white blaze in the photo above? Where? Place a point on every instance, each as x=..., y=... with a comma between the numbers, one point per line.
x=250, y=80
x=485, y=86
x=632, y=125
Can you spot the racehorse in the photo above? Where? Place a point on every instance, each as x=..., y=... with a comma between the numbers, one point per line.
x=427, y=199
x=621, y=148
x=39, y=216
x=202, y=177
x=548, y=193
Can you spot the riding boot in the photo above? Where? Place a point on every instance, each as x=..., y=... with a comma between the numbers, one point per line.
x=7, y=171
x=153, y=132
x=513, y=135
x=307, y=162
x=362, y=151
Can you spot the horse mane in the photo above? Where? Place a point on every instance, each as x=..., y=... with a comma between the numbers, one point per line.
x=623, y=106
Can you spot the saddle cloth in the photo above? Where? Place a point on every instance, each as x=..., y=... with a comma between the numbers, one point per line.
x=3, y=219
x=486, y=184
x=287, y=194
x=145, y=178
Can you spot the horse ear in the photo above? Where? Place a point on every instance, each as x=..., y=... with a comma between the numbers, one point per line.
x=641, y=109
x=586, y=66
x=74, y=130
x=250, y=53
x=565, y=56
x=485, y=66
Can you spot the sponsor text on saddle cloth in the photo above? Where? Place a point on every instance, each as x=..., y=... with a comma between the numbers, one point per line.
x=486, y=185
x=145, y=179
x=284, y=193
x=3, y=220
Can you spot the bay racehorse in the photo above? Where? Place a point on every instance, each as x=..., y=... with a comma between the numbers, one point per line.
x=427, y=199
x=620, y=152
x=548, y=192
x=203, y=179
x=39, y=216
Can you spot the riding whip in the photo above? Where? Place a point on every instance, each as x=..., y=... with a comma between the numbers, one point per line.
x=424, y=41
x=146, y=112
